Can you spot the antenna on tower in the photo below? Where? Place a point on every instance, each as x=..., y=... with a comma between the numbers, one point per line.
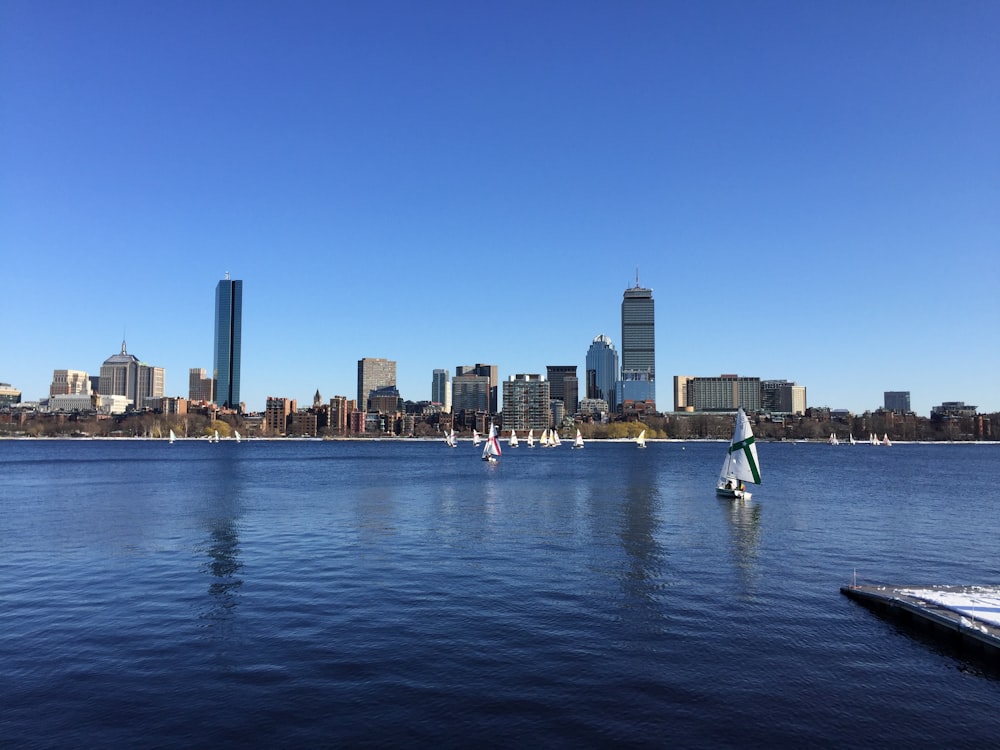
x=637, y=277
x=227, y=275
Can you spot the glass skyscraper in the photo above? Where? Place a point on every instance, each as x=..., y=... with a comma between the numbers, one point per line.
x=228, y=337
x=602, y=370
x=638, y=345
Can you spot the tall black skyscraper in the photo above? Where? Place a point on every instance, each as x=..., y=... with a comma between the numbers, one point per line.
x=638, y=345
x=228, y=336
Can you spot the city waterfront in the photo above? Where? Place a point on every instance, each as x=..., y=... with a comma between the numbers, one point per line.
x=387, y=593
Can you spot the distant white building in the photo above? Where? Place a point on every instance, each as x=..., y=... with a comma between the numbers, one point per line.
x=112, y=404
x=71, y=402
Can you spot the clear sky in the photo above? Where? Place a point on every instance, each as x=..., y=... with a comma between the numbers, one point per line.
x=811, y=189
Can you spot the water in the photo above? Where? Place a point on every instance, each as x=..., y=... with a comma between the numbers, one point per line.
x=383, y=593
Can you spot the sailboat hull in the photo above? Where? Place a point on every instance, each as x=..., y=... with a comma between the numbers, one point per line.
x=732, y=494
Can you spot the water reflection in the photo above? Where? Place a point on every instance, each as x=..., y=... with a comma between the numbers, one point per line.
x=223, y=510
x=744, y=519
x=642, y=579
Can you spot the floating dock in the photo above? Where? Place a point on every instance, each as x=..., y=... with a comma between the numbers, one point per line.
x=971, y=613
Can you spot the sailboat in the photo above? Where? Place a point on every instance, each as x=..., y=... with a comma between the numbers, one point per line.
x=853, y=441
x=641, y=440
x=578, y=442
x=475, y=438
x=741, y=464
x=449, y=439
x=513, y=439
x=544, y=439
x=173, y=437
x=236, y=434
x=833, y=439
x=885, y=439
x=491, y=451
x=554, y=441
x=531, y=438
x=215, y=438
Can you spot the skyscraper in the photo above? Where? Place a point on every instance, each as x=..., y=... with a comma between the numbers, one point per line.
x=228, y=342
x=602, y=370
x=374, y=373
x=563, y=385
x=638, y=345
x=124, y=375
x=897, y=401
x=526, y=403
x=441, y=389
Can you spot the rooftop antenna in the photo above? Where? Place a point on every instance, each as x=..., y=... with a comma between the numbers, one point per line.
x=637, y=277
x=227, y=275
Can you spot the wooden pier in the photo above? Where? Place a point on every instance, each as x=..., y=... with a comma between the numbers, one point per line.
x=919, y=604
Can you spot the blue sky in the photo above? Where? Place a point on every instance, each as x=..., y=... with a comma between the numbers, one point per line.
x=812, y=190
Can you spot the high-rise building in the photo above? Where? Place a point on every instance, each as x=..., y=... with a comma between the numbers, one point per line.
x=471, y=393
x=277, y=412
x=441, y=389
x=199, y=385
x=602, y=370
x=9, y=395
x=69, y=382
x=724, y=393
x=564, y=385
x=123, y=374
x=897, y=401
x=374, y=373
x=638, y=344
x=780, y=396
x=228, y=342
x=491, y=372
x=526, y=403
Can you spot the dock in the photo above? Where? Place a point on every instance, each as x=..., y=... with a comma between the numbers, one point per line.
x=969, y=613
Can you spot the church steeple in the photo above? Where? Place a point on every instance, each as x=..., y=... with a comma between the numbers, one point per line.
x=317, y=399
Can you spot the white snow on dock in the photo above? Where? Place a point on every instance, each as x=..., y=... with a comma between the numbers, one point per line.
x=978, y=603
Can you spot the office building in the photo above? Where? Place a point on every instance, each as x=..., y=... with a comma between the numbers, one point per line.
x=9, y=395
x=897, y=401
x=680, y=392
x=124, y=375
x=441, y=389
x=564, y=385
x=69, y=382
x=602, y=370
x=228, y=342
x=526, y=402
x=638, y=345
x=471, y=393
x=374, y=373
x=782, y=397
x=199, y=385
x=492, y=373
x=724, y=393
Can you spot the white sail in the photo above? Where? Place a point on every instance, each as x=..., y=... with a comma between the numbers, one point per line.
x=853, y=441
x=215, y=438
x=885, y=439
x=491, y=451
x=641, y=440
x=578, y=442
x=173, y=437
x=236, y=434
x=741, y=463
x=833, y=439
x=513, y=439
x=554, y=439
x=531, y=438
x=475, y=438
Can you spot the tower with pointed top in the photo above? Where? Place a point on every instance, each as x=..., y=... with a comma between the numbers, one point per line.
x=228, y=342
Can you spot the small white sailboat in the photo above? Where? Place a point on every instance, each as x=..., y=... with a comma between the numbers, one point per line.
x=173, y=437
x=872, y=439
x=853, y=441
x=236, y=434
x=543, y=440
x=513, y=439
x=885, y=439
x=531, y=438
x=554, y=441
x=449, y=439
x=741, y=463
x=491, y=451
x=578, y=441
x=833, y=439
x=475, y=438
x=641, y=440
x=215, y=438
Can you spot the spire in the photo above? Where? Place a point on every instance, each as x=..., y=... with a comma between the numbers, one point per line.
x=123, y=348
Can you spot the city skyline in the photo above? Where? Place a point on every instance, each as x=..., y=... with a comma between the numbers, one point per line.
x=808, y=190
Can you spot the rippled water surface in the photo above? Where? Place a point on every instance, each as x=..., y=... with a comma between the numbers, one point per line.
x=389, y=593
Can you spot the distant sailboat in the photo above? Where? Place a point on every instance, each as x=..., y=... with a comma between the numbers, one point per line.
x=236, y=434
x=554, y=441
x=641, y=440
x=513, y=439
x=885, y=439
x=741, y=461
x=531, y=438
x=833, y=439
x=173, y=437
x=491, y=451
x=853, y=441
x=449, y=439
x=215, y=438
x=578, y=442
x=475, y=438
